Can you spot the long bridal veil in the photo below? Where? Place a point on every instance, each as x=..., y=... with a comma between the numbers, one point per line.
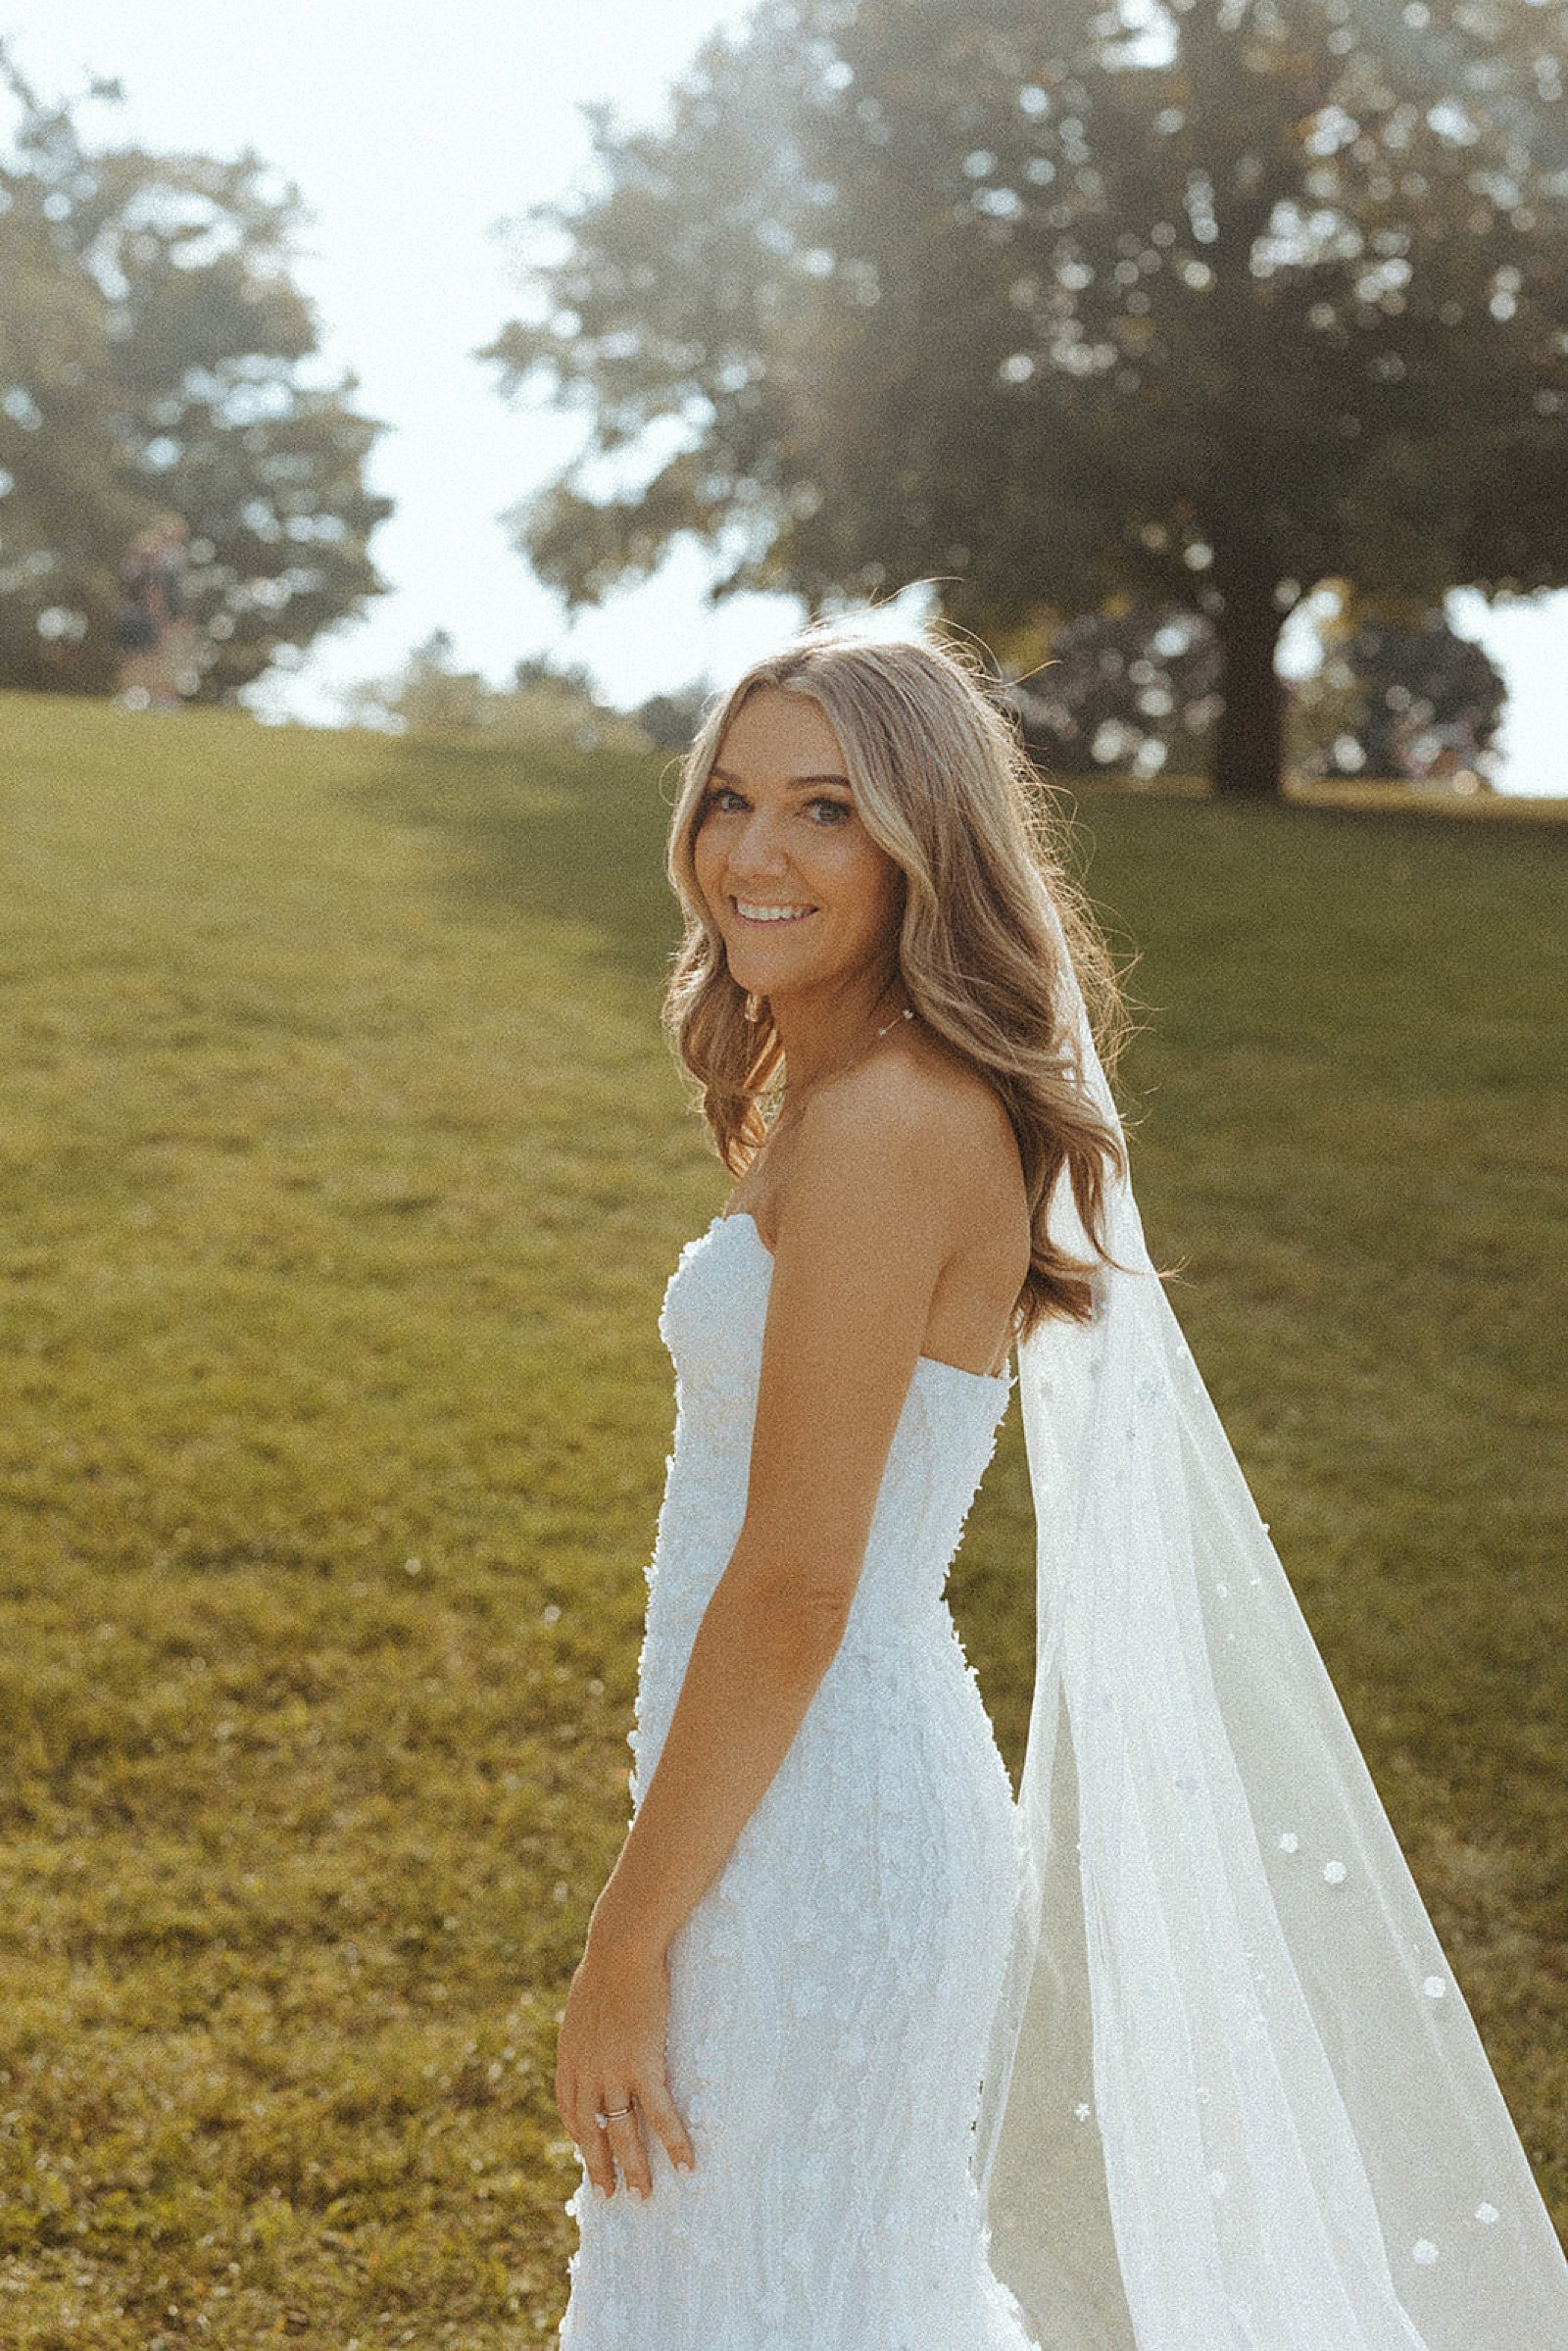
x=1236, y=2100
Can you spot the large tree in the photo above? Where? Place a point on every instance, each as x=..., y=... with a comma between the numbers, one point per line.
x=1192, y=305
x=150, y=347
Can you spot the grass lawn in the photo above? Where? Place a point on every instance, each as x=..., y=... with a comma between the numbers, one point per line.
x=342, y=1166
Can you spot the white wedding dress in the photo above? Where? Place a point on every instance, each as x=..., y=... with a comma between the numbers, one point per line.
x=833, y=1991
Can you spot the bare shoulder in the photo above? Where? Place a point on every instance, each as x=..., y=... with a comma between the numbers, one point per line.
x=883, y=1198
x=925, y=1116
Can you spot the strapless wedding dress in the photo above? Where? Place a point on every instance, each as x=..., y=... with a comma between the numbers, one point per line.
x=831, y=1993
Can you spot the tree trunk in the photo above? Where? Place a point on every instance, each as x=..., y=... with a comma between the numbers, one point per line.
x=1250, y=745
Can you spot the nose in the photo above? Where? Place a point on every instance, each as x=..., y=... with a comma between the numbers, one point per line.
x=756, y=852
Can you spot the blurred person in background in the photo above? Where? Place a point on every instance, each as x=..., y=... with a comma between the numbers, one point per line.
x=151, y=625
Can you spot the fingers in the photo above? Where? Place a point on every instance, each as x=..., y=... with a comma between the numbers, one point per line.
x=622, y=2133
x=590, y=2138
x=661, y=2117
x=593, y=2141
x=610, y=2136
x=626, y=2142
x=599, y=2159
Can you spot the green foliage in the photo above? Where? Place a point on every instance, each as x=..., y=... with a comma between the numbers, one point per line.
x=151, y=351
x=545, y=706
x=1401, y=700
x=1056, y=310
x=341, y=1168
x=672, y=720
x=1121, y=689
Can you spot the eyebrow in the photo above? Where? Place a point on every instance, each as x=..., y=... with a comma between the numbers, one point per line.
x=796, y=783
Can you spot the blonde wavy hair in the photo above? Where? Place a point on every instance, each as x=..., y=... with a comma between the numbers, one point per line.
x=944, y=785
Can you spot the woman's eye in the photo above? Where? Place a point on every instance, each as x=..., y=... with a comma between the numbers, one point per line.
x=717, y=794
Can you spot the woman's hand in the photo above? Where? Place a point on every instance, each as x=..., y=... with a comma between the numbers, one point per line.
x=609, y=2063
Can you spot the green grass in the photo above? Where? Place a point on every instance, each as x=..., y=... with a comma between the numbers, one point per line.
x=342, y=1166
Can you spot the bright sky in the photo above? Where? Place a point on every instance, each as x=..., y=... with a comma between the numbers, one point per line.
x=410, y=131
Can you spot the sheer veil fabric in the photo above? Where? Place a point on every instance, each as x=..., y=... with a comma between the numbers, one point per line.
x=1235, y=2100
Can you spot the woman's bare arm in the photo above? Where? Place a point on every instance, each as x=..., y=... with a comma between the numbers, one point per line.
x=862, y=1241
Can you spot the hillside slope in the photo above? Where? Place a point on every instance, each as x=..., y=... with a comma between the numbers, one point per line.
x=342, y=1165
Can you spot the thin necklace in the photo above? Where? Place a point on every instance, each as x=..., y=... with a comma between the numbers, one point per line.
x=907, y=1014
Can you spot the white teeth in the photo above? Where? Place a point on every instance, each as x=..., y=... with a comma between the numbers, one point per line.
x=772, y=914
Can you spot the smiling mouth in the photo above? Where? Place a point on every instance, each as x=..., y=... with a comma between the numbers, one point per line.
x=765, y=918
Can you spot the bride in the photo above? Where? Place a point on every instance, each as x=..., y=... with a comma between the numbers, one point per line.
x=861, y=2056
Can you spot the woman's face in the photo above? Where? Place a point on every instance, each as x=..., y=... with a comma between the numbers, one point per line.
x=805, y=897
